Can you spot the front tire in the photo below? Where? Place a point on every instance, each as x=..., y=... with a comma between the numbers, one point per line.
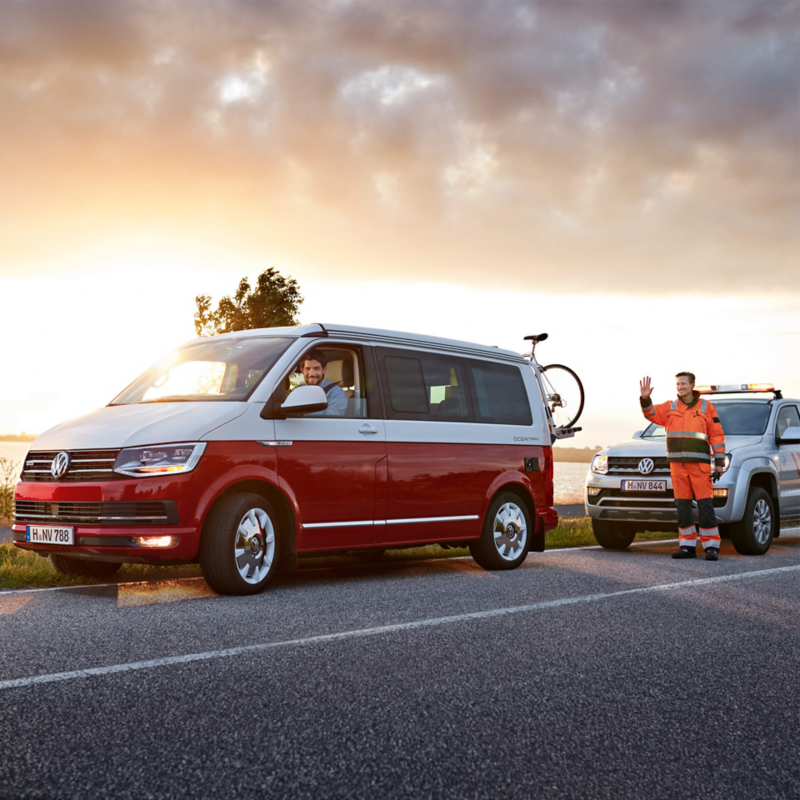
x=506, y=536
x=78, y=567
x=613, y=535
x=240, y=545
x=753, y=535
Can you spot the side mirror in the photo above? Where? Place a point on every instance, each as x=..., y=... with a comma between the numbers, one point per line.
x=790, y=436
x=304, y=400
x=637, y=434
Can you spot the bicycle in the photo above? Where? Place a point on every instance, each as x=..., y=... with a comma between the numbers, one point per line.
x=562, y=390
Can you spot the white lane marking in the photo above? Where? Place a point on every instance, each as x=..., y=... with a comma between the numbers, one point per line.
x=210, y=655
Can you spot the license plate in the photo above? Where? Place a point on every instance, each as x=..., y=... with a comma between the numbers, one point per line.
x=48, y=534
x=644, y=486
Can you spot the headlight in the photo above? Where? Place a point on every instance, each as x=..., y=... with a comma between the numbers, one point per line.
x=727, y=463
x=600, y=464
x=158, y=459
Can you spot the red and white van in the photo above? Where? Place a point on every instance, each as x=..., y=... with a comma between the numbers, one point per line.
x=221, y=454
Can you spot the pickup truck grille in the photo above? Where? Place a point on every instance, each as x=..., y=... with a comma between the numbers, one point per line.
x=151, y=512
x=629, y=465
x=85, y=465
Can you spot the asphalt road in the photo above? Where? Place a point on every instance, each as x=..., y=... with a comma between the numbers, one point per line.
x=585, y=673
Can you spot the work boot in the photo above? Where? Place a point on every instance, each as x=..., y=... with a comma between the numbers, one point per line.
x=712, y=554
x=685, y=552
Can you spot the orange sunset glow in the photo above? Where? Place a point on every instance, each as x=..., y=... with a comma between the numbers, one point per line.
x=623, y=175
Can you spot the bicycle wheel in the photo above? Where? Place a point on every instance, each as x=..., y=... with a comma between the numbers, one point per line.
x=564, y=394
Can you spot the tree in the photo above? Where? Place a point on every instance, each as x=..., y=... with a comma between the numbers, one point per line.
x=273, y=303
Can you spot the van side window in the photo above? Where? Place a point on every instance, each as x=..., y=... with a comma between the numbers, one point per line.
x=499, y=394
x=406, y=385
x=426, y=386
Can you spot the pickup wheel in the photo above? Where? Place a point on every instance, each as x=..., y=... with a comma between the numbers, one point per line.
x=613, y=535
x=240, y=544
x=753, y=535
x=79, y=567
x=506, y=535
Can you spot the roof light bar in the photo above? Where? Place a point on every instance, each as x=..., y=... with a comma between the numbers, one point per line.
x=715, y=388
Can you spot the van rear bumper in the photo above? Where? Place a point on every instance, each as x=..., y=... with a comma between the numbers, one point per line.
x=549, y=518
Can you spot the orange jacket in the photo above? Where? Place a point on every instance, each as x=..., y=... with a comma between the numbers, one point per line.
x=694, y=432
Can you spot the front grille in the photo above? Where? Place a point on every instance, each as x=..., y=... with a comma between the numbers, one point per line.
x=616, y=498
x=629, y=465
x=85, y=465
x=151, y=512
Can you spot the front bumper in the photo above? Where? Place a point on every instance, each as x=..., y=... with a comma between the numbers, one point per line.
x=656, y=508
x=103, y=536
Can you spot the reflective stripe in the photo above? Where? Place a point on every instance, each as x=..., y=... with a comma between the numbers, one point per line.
x=703, y=458
x=719, y=448
x=709, y=537
x=688, y=434
x=703, y=406
x=674, y=406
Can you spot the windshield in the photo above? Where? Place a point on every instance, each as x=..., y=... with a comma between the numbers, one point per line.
x=223, y=369
x=737, y=419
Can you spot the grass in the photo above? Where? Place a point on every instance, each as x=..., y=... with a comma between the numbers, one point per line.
x=7, y=481
x=22, y=569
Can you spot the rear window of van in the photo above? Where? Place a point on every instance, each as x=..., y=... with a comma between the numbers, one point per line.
x=499, y=394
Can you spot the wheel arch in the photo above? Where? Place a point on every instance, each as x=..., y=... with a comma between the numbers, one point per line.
x=278, y=500
x=526, y=497
x=766, y=480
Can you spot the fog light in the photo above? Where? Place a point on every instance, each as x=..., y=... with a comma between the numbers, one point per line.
x=156, y=541
x=593, y=490
x=720, y=492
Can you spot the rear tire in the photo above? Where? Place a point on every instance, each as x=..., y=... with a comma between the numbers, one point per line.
x=240, y=544
x=99, y=570
x=613, y=535
x=506, y=536
x=753, y=535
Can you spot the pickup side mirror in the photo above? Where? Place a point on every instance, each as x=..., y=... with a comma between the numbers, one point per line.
x=637, y=434
x=304, y=400
x=790, y=436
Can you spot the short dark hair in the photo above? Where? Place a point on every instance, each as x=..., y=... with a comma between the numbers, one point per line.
x=314, y=355
x=689, y=375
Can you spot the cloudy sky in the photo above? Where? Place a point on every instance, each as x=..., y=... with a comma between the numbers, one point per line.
x=625, y=173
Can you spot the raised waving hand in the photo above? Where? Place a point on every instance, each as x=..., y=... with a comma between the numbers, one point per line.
x=644, y=386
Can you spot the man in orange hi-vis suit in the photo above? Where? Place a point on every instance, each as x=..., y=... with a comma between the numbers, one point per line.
x=694, y=435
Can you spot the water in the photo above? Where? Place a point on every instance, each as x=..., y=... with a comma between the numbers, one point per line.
x=568, y=482
x=568, y=478
x=15, y=453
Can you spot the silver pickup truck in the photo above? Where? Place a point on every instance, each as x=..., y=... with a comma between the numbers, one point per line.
x=628, y=487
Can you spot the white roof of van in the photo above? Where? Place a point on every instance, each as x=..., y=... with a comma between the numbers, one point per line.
x=372, y=334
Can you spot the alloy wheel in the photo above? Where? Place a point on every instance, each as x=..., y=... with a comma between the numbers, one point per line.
x=510, y=531
x=254, y=545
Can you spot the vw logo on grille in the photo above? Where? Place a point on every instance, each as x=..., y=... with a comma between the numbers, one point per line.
x=60, y=465
x=646, y=466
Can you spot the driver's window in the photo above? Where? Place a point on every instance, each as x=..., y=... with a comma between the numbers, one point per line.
x=340, y=372
x=787, y=418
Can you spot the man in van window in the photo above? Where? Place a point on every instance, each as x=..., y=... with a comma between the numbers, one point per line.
x=314, y=366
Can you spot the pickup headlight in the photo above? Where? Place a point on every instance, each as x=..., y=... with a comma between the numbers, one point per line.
x=727, y=463
x=600, y=464
x=158, y=459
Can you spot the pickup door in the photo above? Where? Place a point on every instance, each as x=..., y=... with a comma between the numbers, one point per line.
x=789, y=417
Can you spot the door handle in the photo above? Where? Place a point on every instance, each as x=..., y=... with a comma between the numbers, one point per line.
x=366, y=428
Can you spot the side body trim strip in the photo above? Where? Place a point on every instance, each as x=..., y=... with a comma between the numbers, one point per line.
x=363, y=522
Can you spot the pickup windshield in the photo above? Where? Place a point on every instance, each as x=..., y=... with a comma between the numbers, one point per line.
x=737, y=419
x=225, y=369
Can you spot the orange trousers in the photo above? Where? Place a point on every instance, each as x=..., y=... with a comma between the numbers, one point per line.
x=693, y=480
